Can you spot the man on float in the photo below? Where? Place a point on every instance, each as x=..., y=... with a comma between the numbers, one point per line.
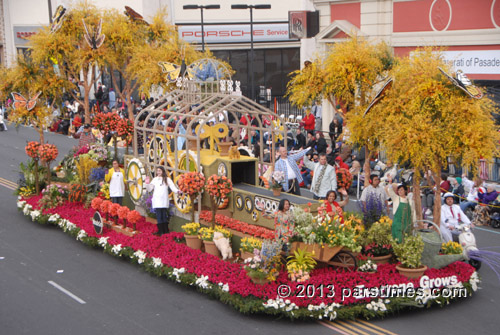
x=451, y=217
x=288, y=165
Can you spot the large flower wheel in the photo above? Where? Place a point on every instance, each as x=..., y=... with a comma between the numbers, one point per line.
x=156, y=148
x=182, y=201
x=136, y=178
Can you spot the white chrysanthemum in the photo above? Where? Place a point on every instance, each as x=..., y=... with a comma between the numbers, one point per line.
x=116, y=248
x=34, y=215
x=20, y=204
x=157, y=262
x=27, y=209
x=81, y=234
x=474, y=281
x=141, y=256
x=203, y=282
x=54, y=218
x=103, y=241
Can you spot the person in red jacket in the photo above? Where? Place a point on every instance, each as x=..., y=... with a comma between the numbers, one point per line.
x=308, y=122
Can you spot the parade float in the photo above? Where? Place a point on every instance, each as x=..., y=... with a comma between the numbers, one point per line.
x=187, y=132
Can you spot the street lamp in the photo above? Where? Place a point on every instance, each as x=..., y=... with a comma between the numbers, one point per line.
x=251, y=7
x=202, y=7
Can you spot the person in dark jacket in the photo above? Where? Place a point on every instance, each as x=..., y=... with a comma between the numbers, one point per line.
x=335, y=130
x=300, y=142
x=311, y=140
x=457, y=189
x=321, y=144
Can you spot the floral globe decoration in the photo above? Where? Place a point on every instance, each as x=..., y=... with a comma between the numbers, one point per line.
x=108, y=123
x=48, y=152
x=125, y=128
x=218, y=187
x=191, y=183
x=133, y=217
x=32, y=149
x=344, y=178
x=105, y=207
x=96, y=203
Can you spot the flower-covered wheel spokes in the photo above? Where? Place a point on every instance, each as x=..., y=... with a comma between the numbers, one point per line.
x=345, y=259
x=136, y=178
x=255, y=215
x=156, y=149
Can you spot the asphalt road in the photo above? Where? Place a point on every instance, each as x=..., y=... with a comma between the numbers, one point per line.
x=110, y=296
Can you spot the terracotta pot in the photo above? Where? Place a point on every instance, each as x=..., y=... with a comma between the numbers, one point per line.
x=193, y=241
x=246, y=254
x=276, y=192
x=411, y=273
x=224, y=148
x=381, y=259
x=211, y=248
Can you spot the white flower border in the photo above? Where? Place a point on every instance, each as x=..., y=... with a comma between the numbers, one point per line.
x=322, y=311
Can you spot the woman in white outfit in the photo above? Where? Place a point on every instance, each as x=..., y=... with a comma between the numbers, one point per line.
x=160, y=185
x=116, y=180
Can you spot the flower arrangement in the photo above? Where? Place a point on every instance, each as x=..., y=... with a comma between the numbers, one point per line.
x=191, y=183
x=191, y=228
x=228, y=283
x=344, y=178
x=104, y=191
x=106, y=122
x=47, y=152
x=377, y=239
x=237, y=225
x=105, y=207
x=82, y=150
x=207, y=233
x=367, y=266
x=218, y=187
x=77, y=193
x=84, y=166
x=265, y=264
x=409, y=252
x=97, y=174
x=277, y=179
x=32, y=149
x=123, y=214
x=223, y=231
x=373, y=211
x=125, y=128
x=133, y=217
x=97, y=152
x=299, y=265
x=249, y=244
x=96, y=203
x=375, y=250
x=451, y=248
x=52, y=196
x=113, y=210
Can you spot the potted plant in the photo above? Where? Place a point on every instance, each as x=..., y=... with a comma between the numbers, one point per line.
x=47, y=153
x=409, y=253
x=207, y=235
x=218, y=187
x=276, y=182
x=265, y=264
x=248, y=246
x=377, y=241
x=191, y=235
x=299, y=265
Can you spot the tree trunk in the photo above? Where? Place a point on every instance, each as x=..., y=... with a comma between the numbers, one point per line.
x=437, y=196
x=115, y=145
x=37, y=182
x=48, y=173
x=214, y=209
x=192, y=197
x=417, y=199
x=366, y=166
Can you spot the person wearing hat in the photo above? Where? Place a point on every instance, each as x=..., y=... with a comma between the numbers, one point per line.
x=403, y=208
x=451, y=217
x=457, y=189
x=86, y=138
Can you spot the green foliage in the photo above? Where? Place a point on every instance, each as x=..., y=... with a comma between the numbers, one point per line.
x=301, y=260
x=409, y=252
x=379, y=233
x=28, y=175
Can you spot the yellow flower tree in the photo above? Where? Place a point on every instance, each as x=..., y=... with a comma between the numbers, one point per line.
x=134, y=50
x=425, y=118
x=350, y=73
x=34, y=82
x=68, y=50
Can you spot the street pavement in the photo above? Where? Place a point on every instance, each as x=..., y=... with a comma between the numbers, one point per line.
x=52, y=284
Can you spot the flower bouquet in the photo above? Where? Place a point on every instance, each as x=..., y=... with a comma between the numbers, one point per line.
x=133, y=217
x=451, y=248
x=344, y=178
x=218, y=187
x=191, y=229
x=53, y=196
x=123, y=214
x=207, y=233
x=265, y=264
x=249, y=244
x=191, y=183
